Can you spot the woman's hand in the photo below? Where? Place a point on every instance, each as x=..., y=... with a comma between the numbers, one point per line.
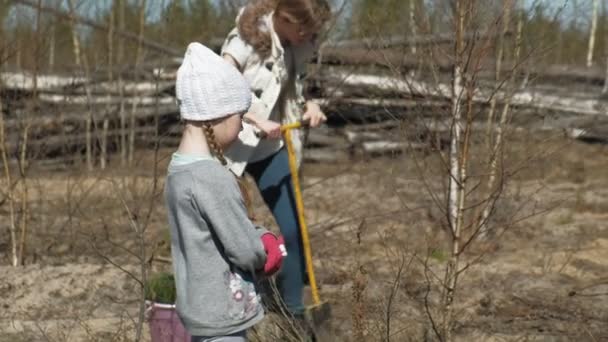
x=314, y=114
x=271, y=129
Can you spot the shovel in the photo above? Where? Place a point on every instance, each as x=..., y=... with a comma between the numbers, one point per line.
x=319, y=311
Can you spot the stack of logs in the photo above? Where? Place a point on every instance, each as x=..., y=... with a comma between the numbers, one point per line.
x=374, y=112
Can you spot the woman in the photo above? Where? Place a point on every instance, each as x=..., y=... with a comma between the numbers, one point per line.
x=271, y=44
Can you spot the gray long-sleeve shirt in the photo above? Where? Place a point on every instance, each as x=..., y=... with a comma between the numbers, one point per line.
x=216, y=250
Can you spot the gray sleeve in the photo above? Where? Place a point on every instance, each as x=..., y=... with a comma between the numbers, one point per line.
x=222, y=205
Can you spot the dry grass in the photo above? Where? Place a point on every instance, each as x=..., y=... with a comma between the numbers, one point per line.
x=376, y=243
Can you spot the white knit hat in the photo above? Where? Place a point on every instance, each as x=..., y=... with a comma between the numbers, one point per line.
x=208, y=87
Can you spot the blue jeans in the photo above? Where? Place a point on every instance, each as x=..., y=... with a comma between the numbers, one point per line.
x=273, y=179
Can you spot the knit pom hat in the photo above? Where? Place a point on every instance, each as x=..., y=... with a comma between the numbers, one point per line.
x=208, y=87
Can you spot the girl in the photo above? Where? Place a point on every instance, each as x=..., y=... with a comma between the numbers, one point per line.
x=216, y=249
x=271, y=44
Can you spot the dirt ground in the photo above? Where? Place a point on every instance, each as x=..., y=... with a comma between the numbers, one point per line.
x=374, y=227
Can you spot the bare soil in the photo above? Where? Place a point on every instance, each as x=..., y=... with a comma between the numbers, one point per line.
x=373, y=228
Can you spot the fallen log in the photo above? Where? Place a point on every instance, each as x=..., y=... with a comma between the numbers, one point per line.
x=376, y=148
x=325, y=155
x=412, y=87
x=53, y=119
x=382, y=42
x=596, y=135
x=105, y=100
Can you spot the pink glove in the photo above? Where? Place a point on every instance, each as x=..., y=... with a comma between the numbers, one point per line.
x=275, y=251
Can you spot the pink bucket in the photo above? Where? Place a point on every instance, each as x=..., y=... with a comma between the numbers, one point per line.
x=165, y=325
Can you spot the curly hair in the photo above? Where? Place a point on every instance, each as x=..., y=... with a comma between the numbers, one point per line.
x=309, y=13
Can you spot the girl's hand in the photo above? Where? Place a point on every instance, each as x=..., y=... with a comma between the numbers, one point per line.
x=314, y=114
x=271, y=129
x=275, y=251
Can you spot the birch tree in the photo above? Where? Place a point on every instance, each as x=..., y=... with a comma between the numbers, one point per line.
x=106, y=121
x=456, y=186
x=592, y=32
x=138, y=57
x=78, y=58
x=497, y=145
x=413, y=30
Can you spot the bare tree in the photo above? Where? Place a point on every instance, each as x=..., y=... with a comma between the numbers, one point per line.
x=121, y=87
x=496, y=145
x=106, y=121
x=413, y=30
x=78, y=59
x=457, y=171
x=592, y=32
x=497, y=77
x=138, y=57
x=75, y=39
x=605, y=15
x=53, y=40
x=9, y=195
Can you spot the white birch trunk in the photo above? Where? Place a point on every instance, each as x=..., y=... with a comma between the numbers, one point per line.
x=592, y=33
x=455, y=185
x=493, y=165
x=499, y=58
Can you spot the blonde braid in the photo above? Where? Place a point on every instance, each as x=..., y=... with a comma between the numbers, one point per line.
x=216, y=149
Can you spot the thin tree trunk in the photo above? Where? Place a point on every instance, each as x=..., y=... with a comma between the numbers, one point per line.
x=605, y=15
x=18, y=55
x=9, y=190
x=499, y=58
x=455, y=182
x=75, y=40
x=88, y=126
x=106, y=123
x=53, y=39
x=592, y=33
x=89, y=120
x=24, y=191
x=494, y=146
x=24, y=140
x=121, y=89
x=413, y=24
x=560, y=46
x=498, y=144
x=138, y=55
x=52, y=48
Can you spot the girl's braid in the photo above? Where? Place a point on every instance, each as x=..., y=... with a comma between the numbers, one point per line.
x=217, y=151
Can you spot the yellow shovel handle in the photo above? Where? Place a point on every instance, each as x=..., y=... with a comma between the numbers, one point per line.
x=293, y=167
